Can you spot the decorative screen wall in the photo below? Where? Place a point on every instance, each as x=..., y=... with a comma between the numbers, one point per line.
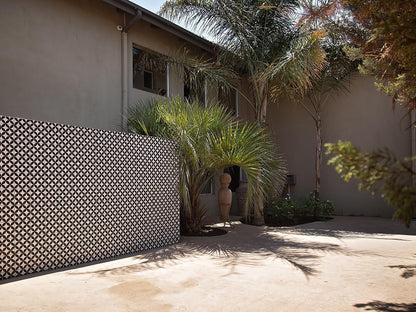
x=71, y=195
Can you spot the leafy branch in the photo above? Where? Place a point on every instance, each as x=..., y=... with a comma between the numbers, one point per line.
x=379, y=170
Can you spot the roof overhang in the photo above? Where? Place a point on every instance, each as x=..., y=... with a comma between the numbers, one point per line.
x=139, y=12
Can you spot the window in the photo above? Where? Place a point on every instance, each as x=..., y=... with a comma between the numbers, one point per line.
x=229, y=99
x=194, y=90
x=208, y=188
x=149, y=72
x=148, y=79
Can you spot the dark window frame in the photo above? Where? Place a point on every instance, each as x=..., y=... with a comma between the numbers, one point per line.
x=145, y=62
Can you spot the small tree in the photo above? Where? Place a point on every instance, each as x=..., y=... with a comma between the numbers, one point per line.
x=333, y=78
x=378, y=170
x=210, y=140
x=262, y=42
x=389, y=47
x=388, y=52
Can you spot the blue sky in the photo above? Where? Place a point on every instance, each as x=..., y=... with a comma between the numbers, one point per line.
x=151, y=5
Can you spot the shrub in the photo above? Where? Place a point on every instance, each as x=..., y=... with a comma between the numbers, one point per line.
x=209, y=140
x=312, y=206
x=280, y=211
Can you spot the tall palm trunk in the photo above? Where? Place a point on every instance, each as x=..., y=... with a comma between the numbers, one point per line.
x=316, y=102
x=261, y=114
x=261, y=100
x=192, y=218
x=318, y=157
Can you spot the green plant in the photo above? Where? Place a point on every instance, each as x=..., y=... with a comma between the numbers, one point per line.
x=315, y=207
x=281, y=211
x=378, y=170
x=260, y=40
x=209, y=139
x=385, y=46
x=281, y=207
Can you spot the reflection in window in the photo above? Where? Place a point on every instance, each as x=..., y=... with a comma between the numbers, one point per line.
x=208, y=188
x=229, y=99
x=148, y=79
x=194, y=89
x=149, y=72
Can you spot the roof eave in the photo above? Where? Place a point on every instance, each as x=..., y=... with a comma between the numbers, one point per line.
x=158, y=21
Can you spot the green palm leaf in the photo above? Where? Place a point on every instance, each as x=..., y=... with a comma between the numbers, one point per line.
x=209, y=140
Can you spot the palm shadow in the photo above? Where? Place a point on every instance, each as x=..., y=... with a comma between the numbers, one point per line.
x=408, y=271
x=356, y=227
x=386, y=306
x=232, y=250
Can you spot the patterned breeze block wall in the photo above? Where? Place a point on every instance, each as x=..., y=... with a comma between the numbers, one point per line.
x=74, y=195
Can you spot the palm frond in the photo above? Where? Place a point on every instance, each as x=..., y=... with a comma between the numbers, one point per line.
x=196, y=71
x=294, y=72
x=209, y=139
x=248, y=146
x=314, y=12
x=246, y=28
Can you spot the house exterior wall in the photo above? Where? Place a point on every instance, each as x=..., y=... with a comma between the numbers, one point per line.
x=363, y=116
x=143, y=35
x=60, y=62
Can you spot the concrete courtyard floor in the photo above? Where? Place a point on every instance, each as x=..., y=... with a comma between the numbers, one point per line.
x=346, y=264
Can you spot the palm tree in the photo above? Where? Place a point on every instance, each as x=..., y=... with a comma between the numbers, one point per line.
x=324, y=15
x=334, y=78
x=209, y=140
x=260, y=39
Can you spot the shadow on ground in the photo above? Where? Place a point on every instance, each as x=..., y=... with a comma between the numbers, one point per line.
x=408, y=271
x=355, y=227
x=243, y=245
x=387, y=306
x=250, y=245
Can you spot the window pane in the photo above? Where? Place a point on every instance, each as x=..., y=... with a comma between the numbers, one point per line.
x=193, y=91
x=149, y=72
x=148, y=79
x=208, y=188
x=228, y=99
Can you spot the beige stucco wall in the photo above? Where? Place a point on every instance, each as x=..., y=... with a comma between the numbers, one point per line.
x=365, y=117
x=143, y=35
x=60, y=62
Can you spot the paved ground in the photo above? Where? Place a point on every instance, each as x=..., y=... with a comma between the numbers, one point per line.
x=347, y=264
